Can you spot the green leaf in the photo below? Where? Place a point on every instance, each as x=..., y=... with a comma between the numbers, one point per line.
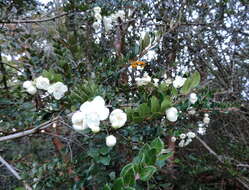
x=129, y=175
x=166, y=103
x=155, y=106
x=105, y=160
x=158, y=144
x=196, y=78
x=151, y=156
x=126, y=168
x=165, y=156
x=186, y=87
x=118, y=183
x=144, y=110
x=107, y=187
x=192, y=82
x=146, y=148
x=147, y=172
x=145, y=42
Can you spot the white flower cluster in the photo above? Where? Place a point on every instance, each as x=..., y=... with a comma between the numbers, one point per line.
x=57, y=89
x=203, y=125
x=146, y=79
x=92, y=112
x=185, y=139
x=98, y=17
x=107, y=20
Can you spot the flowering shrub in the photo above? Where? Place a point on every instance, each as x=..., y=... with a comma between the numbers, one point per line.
x=126, y=105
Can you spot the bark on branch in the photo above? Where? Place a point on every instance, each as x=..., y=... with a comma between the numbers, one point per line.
x=14, y=173
x=29, y=131
x=32, y=21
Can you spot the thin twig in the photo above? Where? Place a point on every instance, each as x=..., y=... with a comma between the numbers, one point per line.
x=240, y=179
x=33, y=21
x=14, y=172
x=28, y=132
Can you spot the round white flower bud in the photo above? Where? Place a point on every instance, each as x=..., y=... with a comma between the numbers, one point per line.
x=193, y=98
x=27, y=84
x=179, y=82
x=172, y=114
x=31, y=90
x=110, y=140
x=118, y=118
x=182, y=136
x=191, y=135
x=42, y=83
x=206, y=120
x=173, y=139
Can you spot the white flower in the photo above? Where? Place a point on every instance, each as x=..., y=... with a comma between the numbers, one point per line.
x=156, y=81
x=118, y=118
x=107, y=23
x=97, y=10
x=110, y=140
x=179, y=82
x=98, y=106
x=206, y=120
x=200, y=124
x=31, y=90
x=181, y=143
x=191, y=135
x=42, y=83
x=188, y=141
x=27, y=84
x=191, y=111
x=172, y=114
x=78, y=117
x=80, y=126
x=206, y=115
x=201, y=130
x=120, y=14
x=95, y=129
x=96, y=26
x=173, y=139
x=193, y=98
x=78, y=121
x=98, y=16
x=182, y=136
x=165, y=76
x=58, y=90
x=90, y=115
x=146, y=79
x=92, y=120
